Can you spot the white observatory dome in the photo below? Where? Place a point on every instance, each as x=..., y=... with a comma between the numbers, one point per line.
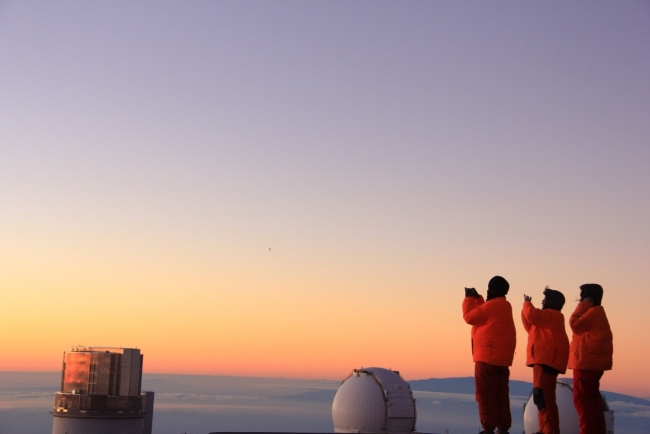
x=568, y=416
x=374, y=400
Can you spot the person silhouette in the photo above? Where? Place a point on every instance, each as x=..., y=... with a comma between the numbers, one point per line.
x=493, y=348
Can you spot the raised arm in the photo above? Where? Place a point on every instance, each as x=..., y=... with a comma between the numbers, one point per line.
x=524, y=320
x=474, y=311
x=536, y=317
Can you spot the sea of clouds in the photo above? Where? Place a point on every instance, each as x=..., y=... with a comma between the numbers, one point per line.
x=204, y=404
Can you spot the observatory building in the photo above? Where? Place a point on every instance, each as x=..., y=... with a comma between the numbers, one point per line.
x=100, y=393
x=374, y=400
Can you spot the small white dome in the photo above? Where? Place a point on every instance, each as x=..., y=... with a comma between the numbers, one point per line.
x=568, y=416
x=374, y=400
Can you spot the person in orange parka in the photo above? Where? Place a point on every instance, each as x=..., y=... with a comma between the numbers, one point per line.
x=590, y=355
x=493, y=348
x=547, y=353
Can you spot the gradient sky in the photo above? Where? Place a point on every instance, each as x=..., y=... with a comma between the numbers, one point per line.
x=300, y=188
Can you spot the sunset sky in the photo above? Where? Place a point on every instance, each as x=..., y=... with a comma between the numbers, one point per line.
x=298, y=189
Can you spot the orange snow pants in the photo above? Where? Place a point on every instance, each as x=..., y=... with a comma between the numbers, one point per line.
x=588, y=402
x=492, y=396
x=548, y=418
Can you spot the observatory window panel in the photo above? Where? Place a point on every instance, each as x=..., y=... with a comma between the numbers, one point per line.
x=77, y=369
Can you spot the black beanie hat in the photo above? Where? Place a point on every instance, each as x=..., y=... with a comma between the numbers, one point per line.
x=498, y=286
x=554, y=299
x=593, y=291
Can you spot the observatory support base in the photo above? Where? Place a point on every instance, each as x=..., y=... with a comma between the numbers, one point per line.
x=89, y=425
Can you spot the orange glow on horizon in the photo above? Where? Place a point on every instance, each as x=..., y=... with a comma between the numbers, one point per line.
x=193, y=321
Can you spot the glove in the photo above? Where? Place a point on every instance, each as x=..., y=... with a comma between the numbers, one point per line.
x=528, y=298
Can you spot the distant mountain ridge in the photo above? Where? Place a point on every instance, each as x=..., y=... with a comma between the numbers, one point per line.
x=464, y=385
x=517, y=388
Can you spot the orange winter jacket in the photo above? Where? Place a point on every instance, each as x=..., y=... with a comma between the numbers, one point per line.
x=548, y=343
x=592, y=342
x=493, y=330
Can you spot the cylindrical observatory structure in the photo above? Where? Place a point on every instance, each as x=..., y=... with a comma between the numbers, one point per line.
x=100, y=393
